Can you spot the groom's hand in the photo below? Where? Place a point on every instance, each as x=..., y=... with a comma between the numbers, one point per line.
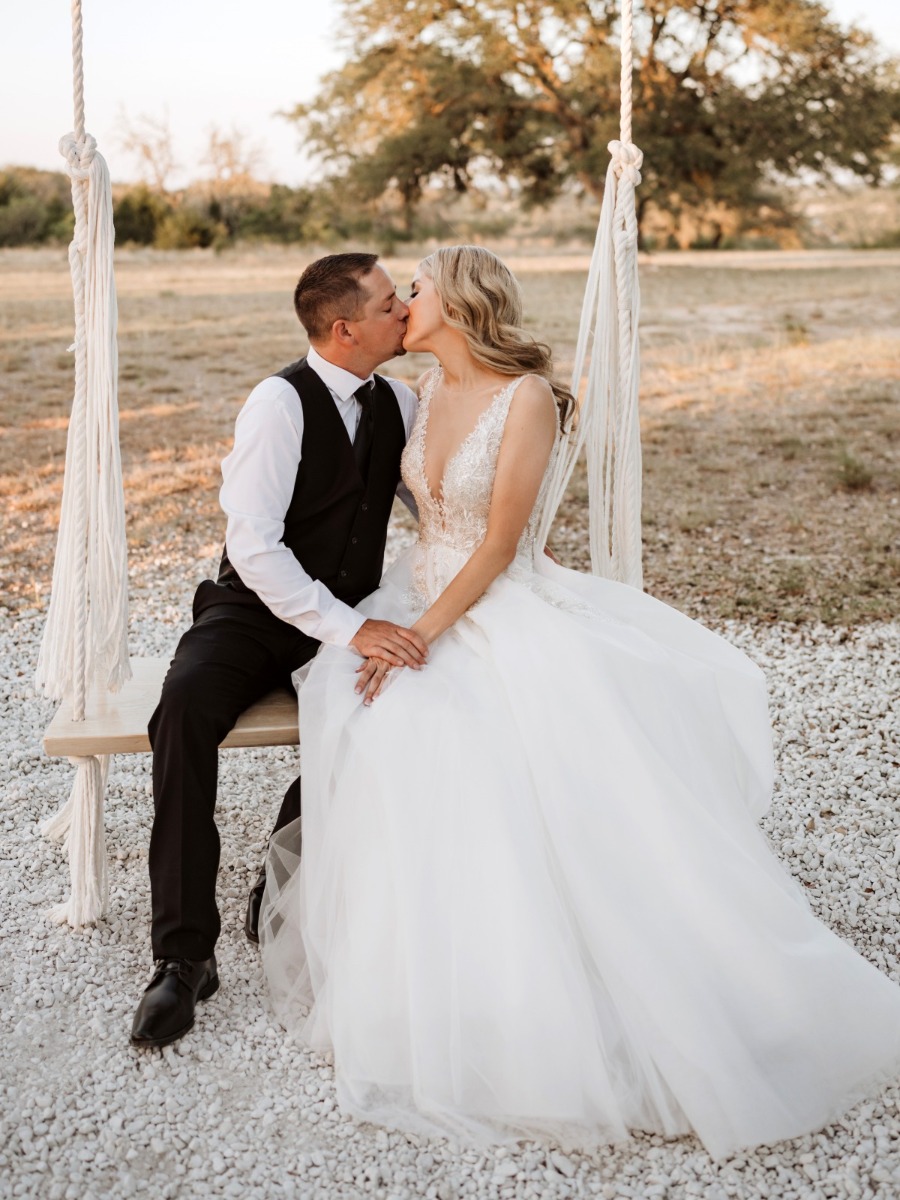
x=396, y=645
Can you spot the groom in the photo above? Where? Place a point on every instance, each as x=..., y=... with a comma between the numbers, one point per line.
x=308, y=490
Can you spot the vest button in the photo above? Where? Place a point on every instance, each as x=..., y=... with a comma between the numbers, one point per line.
x=343, y=574
x=353, y=541
x=364, y=506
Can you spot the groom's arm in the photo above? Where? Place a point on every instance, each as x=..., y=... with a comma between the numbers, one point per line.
x=258, y=482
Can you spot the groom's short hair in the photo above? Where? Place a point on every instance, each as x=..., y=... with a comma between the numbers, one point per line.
x=330, y=289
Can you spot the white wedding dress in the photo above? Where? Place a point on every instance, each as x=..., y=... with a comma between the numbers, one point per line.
x=533, y=899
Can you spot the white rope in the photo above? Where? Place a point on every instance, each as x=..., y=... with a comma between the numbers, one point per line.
x=82, y=818
x=86, y=632
x=608, y=428
x=86, y=635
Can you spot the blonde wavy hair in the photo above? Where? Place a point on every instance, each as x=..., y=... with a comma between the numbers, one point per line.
x=481, y=298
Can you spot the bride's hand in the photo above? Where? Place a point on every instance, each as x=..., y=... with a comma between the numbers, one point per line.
x=372, y=676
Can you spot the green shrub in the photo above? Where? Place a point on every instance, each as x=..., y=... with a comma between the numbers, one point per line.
x=186, y=228
x=35, y=206
x=282, y=217
x=22, y=221
x=138, y=215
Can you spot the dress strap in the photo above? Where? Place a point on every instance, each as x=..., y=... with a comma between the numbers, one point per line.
x=429, y=383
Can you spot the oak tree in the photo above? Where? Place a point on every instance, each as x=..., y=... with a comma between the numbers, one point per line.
x=728, y=95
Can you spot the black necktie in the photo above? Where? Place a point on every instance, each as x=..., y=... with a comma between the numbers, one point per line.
x=362, y=443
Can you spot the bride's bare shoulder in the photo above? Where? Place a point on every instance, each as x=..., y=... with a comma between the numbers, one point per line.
x=534, y=399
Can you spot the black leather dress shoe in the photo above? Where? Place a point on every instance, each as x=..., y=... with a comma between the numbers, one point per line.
x=254, y=904
x=166, y=1010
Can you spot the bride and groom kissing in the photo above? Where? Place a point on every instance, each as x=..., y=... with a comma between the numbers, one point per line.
x=533, y=898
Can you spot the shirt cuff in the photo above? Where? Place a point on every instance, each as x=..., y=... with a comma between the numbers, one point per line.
x=340, y=624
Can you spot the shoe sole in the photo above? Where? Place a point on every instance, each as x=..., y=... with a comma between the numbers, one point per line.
x=204, y=994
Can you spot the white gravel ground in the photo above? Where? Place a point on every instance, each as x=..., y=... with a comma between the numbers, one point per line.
x=234, y=1110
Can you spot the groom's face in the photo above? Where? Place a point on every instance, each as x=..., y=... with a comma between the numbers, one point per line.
x=380, y=325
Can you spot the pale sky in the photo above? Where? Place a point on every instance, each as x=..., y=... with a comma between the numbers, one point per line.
x=228, y=63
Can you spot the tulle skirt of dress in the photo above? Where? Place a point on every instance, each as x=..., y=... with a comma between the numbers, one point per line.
x=533, y=898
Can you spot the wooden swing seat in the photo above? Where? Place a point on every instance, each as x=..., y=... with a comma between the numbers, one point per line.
x=116, y=723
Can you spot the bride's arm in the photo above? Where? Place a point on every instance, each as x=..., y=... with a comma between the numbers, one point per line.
x=524, y=453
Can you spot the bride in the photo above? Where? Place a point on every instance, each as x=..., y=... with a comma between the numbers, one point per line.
x=533, y=899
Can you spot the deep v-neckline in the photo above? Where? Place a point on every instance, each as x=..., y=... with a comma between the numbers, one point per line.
x=438, y=500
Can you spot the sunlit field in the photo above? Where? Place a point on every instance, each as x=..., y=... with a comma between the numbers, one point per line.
x=770, y=405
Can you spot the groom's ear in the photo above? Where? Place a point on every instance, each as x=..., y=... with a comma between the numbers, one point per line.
x=342, y=333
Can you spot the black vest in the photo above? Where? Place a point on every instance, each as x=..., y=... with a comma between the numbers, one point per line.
x=336, y=522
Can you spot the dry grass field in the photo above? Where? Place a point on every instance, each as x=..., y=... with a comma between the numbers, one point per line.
x=770, y=414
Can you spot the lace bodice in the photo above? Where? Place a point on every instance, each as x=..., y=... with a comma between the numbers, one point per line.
x=457, y=519
x=453, y=524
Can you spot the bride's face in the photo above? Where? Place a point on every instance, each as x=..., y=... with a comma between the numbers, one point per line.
x=424, y=313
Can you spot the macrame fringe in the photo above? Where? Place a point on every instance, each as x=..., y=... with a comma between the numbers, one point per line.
x=80, y=821
x=87, y=623
x=607, y=428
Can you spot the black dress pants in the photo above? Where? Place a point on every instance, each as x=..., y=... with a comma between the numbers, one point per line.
x=231, y=656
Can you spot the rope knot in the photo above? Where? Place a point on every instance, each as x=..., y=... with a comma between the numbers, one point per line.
x=78, y=155
x=627, y=161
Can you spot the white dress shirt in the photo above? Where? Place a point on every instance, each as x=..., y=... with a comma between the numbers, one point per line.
x=258, y=481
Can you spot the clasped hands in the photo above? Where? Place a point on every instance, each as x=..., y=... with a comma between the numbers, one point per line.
x=384, y=645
